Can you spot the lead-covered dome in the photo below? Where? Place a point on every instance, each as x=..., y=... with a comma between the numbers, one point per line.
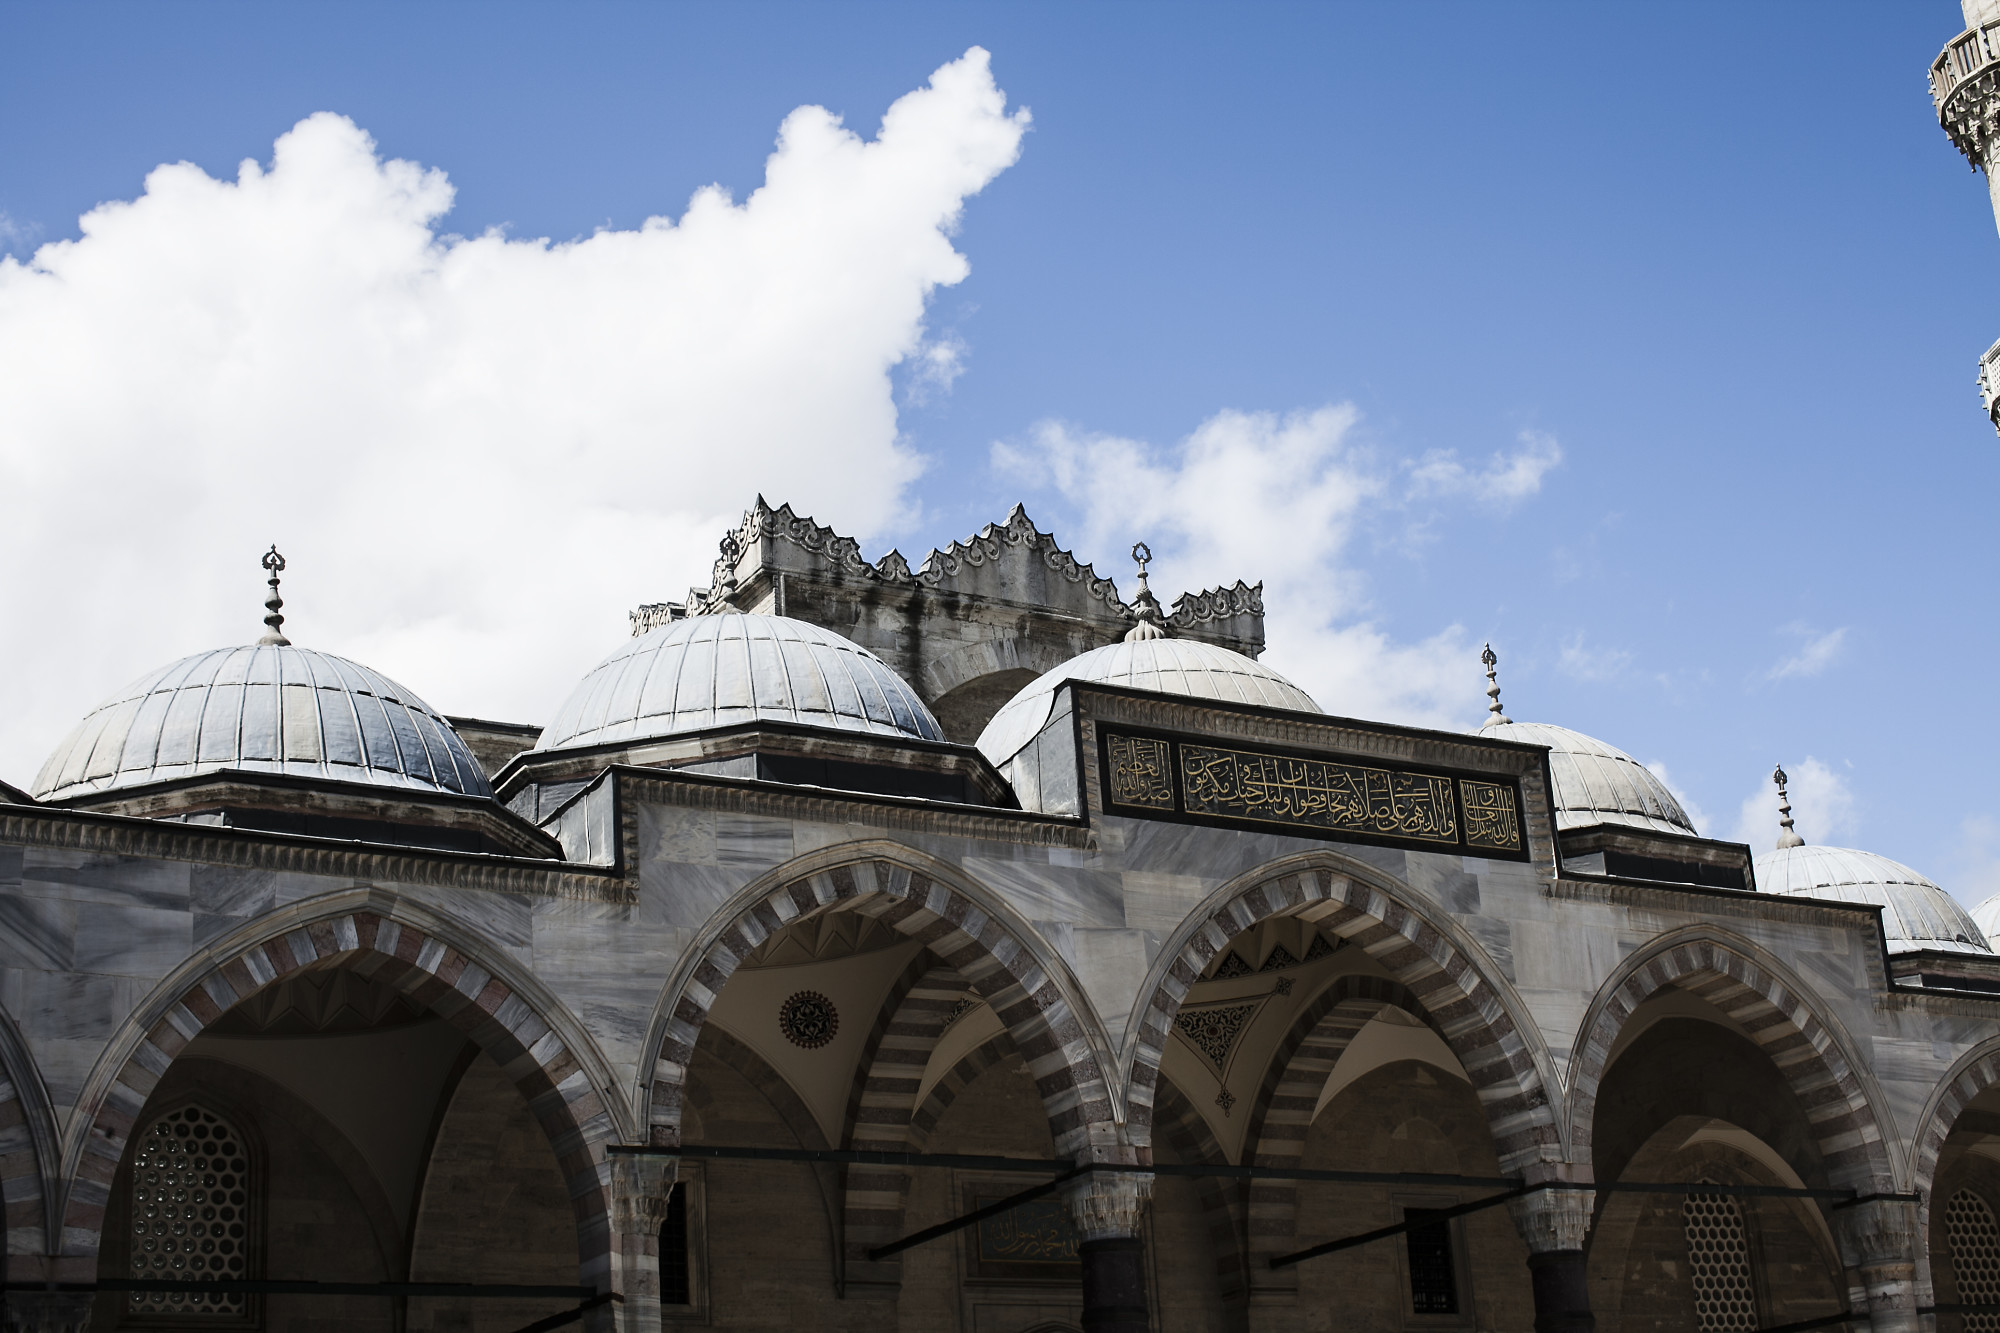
x=734, y=667
x=1597, y=783
x=1170, y=666
x=262, y=708
x=1917, y=913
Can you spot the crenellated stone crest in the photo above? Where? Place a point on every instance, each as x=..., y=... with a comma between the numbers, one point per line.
x=974, y=620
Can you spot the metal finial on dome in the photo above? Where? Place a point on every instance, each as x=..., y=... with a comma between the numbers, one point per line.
x=1492, y=660
x=1151, y=624
x=273, y=614
x=1787, y=835
x=722, y=597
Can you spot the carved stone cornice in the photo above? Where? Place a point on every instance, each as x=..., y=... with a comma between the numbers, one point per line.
x=1217, y=603
x=123, y=835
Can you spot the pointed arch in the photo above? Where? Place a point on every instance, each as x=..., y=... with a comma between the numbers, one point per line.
x=1970, y=1075
x=1478, y=1015
x=886, y=1083
x=28, y=1153
x=954, y=1081
x=470, y=986
x=1223, y=1201
x=1282, y=1115
x=1776, y=1011
x=999, y=955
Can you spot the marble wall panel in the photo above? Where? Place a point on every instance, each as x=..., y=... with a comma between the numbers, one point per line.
x=232, y=891
x=1158, y=902
x=37, y=933
x=752, y=842
x=1081, y=897
x=10, y=867
x=131, y=941
x=686, y=837
x=1112, y=965
x=608, y=969
x=124, y=881
x=685, y=894
x=66, y=1018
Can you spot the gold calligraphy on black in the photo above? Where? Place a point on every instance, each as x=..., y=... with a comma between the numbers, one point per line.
x=1039, y=1231
x=1318, y=793
x=1141, y=772
x=1490, y=817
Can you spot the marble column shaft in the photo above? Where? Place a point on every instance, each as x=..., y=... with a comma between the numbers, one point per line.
x=1108, y=1207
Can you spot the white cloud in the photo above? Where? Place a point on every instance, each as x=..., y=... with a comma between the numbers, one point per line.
x=1581, y=661
x=14, y=234
x=1506, y=480
x=1824, y=810
x=1975, y=865
x=1816, y=652
x=1695, y=814
x=478, y=453
x=1244, y=488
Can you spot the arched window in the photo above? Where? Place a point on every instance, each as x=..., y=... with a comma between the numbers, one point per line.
x=1975, y=1257
x=191, y=1212
x=676, y=1286
x=1719, y=1264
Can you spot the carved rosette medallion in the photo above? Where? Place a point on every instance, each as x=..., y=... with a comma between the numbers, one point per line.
x=808, y=1019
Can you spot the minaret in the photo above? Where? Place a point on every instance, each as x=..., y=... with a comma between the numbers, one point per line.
x=1965, y=85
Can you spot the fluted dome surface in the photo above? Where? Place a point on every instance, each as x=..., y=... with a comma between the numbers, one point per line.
x=1597, y=783
x=264, y=708
x=1987, y=917
x=1919, y=914
x=1171, y=666
x=730, y=668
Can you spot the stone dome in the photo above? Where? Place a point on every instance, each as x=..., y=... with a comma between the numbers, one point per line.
x=1170, y=666
x=1987, y=917
x=1597, y=783
x=262, y=708
x=1918, y=915
x=730, y=668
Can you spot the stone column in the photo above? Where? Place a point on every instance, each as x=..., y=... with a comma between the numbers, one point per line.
x=48, y=1311
x=1554, y=1223
x=639, y=1190
x=1107, y=1206
x=1878, y=1243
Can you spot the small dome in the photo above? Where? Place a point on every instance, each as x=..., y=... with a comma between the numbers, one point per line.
x=1171, y=666
x=1918, y=915
x=730, y=668
x=1987, y=917
x=263, y=708
x=1597, y=783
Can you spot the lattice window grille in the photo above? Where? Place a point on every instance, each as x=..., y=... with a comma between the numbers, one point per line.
x=1975, y=1257
x=190, y=1212
x=1433, y=1283
x=1725, y=1301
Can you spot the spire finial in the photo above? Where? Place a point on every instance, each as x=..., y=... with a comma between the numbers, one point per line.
x=273, y=615
x=1150, y=624
x=1492, y=660
x=722, y=597
x=1787, y=835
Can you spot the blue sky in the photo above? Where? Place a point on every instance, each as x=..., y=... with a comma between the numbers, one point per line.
x=1719, y=257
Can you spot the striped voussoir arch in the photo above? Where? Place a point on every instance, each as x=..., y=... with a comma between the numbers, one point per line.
x=995, y=964
x=430, y=972
x=1449, y=988
x=955, y=1080
x=1974, y=1075
x=1779, y=1020
x=20, y=1176
x=1281, y=1117
x=887, y=1080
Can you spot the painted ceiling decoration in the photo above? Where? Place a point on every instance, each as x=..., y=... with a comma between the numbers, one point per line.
x=1213, y=1029
x=808, y=1019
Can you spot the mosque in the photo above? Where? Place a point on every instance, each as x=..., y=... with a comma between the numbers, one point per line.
x=962, y=947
